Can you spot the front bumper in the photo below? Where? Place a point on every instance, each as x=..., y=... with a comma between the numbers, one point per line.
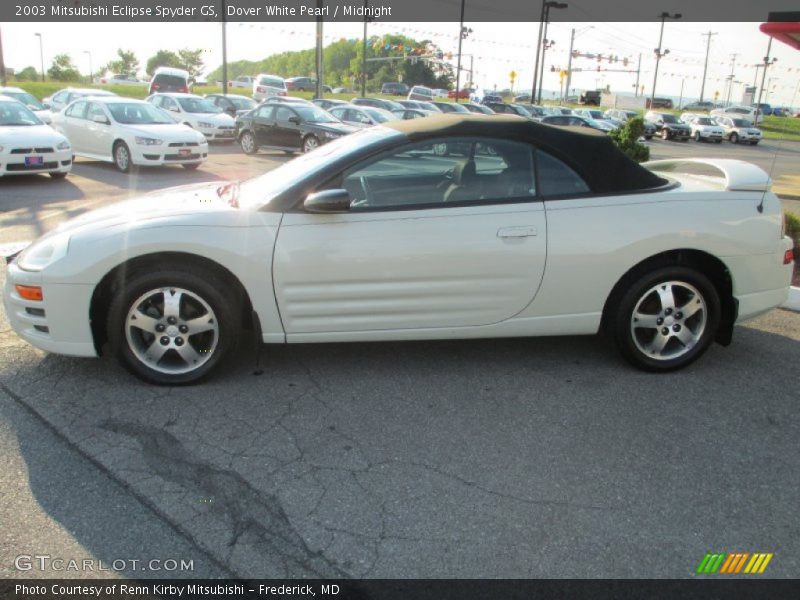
x=219, y=133
x=169, y=154
x=59, y=161
x=710, y=135
x=59, y=323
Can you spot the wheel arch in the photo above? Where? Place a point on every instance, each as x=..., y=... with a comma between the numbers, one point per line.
x=104, y=290
x=707, y=264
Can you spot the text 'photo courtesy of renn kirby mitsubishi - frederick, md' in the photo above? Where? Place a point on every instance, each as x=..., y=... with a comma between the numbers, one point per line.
x=418, y=299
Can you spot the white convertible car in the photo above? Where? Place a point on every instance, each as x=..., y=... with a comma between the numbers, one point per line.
x=518, y=229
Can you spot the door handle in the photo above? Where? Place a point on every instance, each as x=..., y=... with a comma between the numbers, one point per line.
x=516, y=232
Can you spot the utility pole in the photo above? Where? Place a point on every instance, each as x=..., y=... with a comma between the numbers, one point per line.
x=319, y=64
x=364, y=58
x=224, y=48
x=460, y=41
x=767, y=63
x=705, y=66
x=41, y=52
x=659, y=54
x=2, y=62
x=538, y=48
x=569, y=61
x=638, y=71
x=730, y=77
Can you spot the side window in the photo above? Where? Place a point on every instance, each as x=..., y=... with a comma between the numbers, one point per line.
x=77, y=110
x=96, y=111
x=283, y=114
x=359, y=117
x=168, y=103
x=556, y=178
x=265, y=111
x=155, y=101
x=435, y=174
x=61, y=96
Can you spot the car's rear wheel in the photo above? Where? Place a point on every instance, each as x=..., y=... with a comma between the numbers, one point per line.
x=122, y=157
x=664, y=134
x=310, y=143
x=754, y=143
x=248, y=142
x=172, y=326
x=697, y=136
x=667, y=319
x=734, y=138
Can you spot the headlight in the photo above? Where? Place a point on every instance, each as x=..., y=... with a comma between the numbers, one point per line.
x=43, y=253
x=204, y=125
x=330, y=135
x=63, y=145
x=146, y=141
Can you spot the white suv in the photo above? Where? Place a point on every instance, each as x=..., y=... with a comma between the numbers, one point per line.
x=198, y=113
x=266, y=86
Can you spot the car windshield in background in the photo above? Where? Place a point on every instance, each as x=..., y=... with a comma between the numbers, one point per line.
x=272, y=82
x=136, y=113
x=242, y=103
x=171, y=81
x=741, y=123
x=381, y=116
x=259, y=191
x=705, y=121
x=26, y=99
x=314, y=114
x=16, y=114
x=198, y=105
x=669, y=119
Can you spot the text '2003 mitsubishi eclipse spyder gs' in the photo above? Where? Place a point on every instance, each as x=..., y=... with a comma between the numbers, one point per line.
x=447, y=227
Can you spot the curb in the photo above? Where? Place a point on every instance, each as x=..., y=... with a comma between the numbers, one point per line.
x=793, y=302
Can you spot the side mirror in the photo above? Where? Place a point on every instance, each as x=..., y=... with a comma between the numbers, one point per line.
x=328, y=201
x=47, y=105
x=295, y=120
x=100, y=119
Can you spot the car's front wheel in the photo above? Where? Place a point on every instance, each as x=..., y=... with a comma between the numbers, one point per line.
x=58, y=175
x=122, y=157
x=697, y=137
x=664, y=134
x=734, y=138
x=248, y=143
x=172, y=326
x=666, y=319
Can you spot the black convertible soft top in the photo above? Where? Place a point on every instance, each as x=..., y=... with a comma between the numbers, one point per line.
x=590, y=153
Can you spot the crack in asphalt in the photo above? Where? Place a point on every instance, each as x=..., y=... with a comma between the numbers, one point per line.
x=257, y=514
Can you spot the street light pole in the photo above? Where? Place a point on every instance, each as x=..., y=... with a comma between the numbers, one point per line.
x=569, y=58
x=767, y=63
x=545, y=43
x=538, y=48
x=2, y=62
x=41, y=52
x=664, y=16
x=364, y=57
x=460, y=40
x=705, y=65
x=318, y=53
x=224, y=48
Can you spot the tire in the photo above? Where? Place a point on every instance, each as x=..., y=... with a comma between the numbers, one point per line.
x=734, y=138
x=754, y=143
x=122, y=157
x=697, y=137
x=190, y=166
x=664, y=134
x=654, y=336
x=719, y=141
x=648, y=137
x=310, y=142
x=248, y=143
x=57, y=175
x=199, y=296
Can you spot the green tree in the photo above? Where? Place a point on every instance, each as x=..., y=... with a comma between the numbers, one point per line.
x=62, y=69
x=27, y=74
x=191, y=60
x=162, y=58
x=125, y=64
x=627, y=139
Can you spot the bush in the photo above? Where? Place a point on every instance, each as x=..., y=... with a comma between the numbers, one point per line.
x=627, y=139
x=793, y=230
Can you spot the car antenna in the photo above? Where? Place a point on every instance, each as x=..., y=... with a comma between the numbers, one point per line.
x=778, y=147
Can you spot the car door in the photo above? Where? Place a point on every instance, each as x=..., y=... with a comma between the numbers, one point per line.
x=99, y=132
x=73, y=125
x=431, y=242
x=170, y=105
x=287, y=127
x=263, y=125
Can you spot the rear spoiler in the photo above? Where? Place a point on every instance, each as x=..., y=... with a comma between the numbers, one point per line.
x=739, y=175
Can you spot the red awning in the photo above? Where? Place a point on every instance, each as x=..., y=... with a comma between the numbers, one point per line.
x=788, y=33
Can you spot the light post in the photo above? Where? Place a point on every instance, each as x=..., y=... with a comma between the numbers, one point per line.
x=546, y=6
x=767, y=63
x=364, y=57
x=546, y=45
x=463, y=33
x=41, y=52
x=569, y=58
x=705, y=65
x=659, y=54
x=91, y=71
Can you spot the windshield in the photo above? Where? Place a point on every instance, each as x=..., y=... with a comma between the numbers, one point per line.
x=705, y=121
x=197, y=105
x=380, y=116
x=242, y=103
x=259, y=191
x=741, y=123
x=669, y=119
x=16, y=114
x=26, y=99
x=595, y=114
x=314, y=114
x=272, y=82
x=138, y=113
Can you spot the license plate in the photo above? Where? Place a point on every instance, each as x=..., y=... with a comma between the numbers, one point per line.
x=184, y=152
x=32, y=161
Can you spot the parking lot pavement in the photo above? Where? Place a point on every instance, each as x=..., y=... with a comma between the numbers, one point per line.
x=484, y=458
x=493, y=458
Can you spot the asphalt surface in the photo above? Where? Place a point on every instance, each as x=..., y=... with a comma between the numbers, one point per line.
x=543, y=457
